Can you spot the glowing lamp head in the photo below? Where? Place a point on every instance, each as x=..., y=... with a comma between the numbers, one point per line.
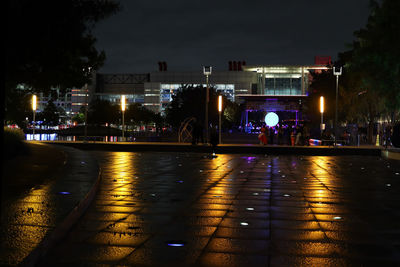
x=337, y=70
x=34, y=102
x=271, y=119
x=207, y=70
x=321, y=104
x=123, y=103
x=220, y=103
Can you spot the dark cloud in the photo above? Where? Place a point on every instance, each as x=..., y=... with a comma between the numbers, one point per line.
x=189, y=34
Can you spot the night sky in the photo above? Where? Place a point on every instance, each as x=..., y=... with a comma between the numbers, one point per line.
x=190, y=34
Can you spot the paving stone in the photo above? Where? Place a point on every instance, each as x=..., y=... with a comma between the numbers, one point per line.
x=238, y=210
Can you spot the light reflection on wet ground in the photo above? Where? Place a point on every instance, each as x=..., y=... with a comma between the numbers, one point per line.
x=28, y=217
x=28, y=220
x=238, y=210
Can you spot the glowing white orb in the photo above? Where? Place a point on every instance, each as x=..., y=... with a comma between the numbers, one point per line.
x=271, y=119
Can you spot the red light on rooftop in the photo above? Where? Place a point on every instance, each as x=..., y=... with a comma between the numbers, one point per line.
x=323, y=60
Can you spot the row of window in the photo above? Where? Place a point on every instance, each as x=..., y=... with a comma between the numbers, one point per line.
x=216, y=86
x=166, y=95
x=117, y=98
x=286, y=91
x=283, y=86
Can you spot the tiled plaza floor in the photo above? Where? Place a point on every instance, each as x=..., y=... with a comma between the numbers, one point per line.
x=184, y=209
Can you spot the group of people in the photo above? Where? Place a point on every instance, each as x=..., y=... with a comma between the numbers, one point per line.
x=284, y=135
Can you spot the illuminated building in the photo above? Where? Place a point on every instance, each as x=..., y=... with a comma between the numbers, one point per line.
x=265, y=88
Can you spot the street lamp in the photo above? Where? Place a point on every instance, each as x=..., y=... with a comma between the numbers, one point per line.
x=220, y=112
x=321, y=109
x=337, y=71
x=207, y=72
x=123, y=120
x=34, y=113
x=86, y=105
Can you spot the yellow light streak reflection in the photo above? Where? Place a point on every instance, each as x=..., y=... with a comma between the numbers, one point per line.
x=34, y=217
x=122, y=166
x=324, y=202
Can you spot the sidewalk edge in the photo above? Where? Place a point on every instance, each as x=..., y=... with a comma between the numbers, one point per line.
x=390, y=154
x=62, y=229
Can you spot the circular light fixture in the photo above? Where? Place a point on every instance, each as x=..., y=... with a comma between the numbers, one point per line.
x=271, y=119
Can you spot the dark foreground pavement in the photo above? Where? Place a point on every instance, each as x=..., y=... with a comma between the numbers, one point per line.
x=183, y=209
x=43, y=194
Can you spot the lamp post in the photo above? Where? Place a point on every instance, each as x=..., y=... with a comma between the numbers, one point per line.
x=337, y=71
x=34, y=113
x=220, y=112
x=86, y=106
x=207, y=72
x=123, y=119
x=321, y=109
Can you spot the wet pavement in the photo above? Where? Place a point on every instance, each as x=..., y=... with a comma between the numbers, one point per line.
x=184, y=209
x=32, y=220
x=223, y=148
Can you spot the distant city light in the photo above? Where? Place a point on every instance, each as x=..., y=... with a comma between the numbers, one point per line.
x=271, y=119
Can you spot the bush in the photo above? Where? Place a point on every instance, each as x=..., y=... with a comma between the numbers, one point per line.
x=13, y=143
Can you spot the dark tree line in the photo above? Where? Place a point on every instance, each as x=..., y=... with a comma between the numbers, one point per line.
x=189, y=101
x=49, y=44
x=101, y=112
x=369, y=87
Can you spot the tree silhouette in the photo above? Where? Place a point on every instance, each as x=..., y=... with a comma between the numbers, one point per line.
x=49, y=43
x=50, y=115
x=136, y=114
x=376, y=55
x=189, y=101
x=102, y=112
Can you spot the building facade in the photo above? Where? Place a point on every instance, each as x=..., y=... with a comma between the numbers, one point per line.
x=155, y=90
x=265, y=88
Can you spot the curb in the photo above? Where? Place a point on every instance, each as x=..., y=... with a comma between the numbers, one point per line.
x=63, y=227
x=390, y=154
